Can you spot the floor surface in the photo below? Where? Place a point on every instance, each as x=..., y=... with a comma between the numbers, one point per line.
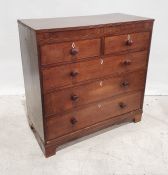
x=130, y=148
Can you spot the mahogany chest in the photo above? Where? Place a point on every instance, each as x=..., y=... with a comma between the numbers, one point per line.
x=83, y=74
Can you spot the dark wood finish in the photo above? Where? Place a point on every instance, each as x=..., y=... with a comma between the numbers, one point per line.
x=75, y=73
x=31, y=78
x=66, y=36
x=127, y=28
x=134, y=42
x=52, y=36
x=61, y=125
x=137, y=118
x=66, y=99
x=69, y=51
x=83, y=74
x=93, y=128
x=50, y=147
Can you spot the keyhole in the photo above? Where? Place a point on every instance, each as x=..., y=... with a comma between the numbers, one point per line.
x=73, y=45
x=101, y=83
x=101, y=61
x=129, y=36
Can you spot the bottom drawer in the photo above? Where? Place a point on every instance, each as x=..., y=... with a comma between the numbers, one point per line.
x=67, y=123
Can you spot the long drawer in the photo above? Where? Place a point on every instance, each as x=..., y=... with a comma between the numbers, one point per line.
x=71, y=74
x=66, y=99
x=67, y=123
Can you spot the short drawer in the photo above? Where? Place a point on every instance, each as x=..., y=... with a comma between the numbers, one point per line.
x=69, y=51
x=128, y=42
x=71, y=74
x=71, y=122
x=66, y=99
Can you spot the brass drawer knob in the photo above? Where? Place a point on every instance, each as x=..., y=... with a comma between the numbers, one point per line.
x=127, y=62
x=74, y=97
x=73, y=121
x=74, y=73
x=122, y=105
x=125, y=84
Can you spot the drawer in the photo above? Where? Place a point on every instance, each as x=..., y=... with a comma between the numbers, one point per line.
x=66, y=99
x=128, y=42
x=69, y=51
x=70, y=74
x=71, y=122
x=125, y=62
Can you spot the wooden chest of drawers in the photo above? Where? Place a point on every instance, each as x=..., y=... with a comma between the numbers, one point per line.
x=83, y=74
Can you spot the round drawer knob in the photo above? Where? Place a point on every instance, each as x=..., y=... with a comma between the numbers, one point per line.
x=127, y=62
x=122, y=105
x=74, y=51
x=125, y=84
x=129, y=42
x=74, y=73
x=73, y=121
x=74, y=97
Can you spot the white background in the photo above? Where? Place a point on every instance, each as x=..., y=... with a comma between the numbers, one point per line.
x=11, y=78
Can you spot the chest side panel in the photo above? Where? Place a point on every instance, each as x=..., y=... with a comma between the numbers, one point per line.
x=31, y=78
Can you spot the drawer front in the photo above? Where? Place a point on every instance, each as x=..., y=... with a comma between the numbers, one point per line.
x=70, y=74
x=124, y=63
x=66, y=99
x=69, y=51
x=128, y=42
x=61, y=125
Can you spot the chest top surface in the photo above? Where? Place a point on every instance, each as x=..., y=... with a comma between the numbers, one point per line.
x=80, y=21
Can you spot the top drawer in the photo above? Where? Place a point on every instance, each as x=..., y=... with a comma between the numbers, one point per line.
x=128, y=42
x=69, y=51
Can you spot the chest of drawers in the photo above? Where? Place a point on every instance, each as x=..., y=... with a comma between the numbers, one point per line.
x=83, y=74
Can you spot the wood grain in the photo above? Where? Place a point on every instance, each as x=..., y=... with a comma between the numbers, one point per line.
x=61, y=100
x=119, y=43
x=61, y=125
x=61, y=52
x=31, y=78
x=55, y=77
x=83, y=74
